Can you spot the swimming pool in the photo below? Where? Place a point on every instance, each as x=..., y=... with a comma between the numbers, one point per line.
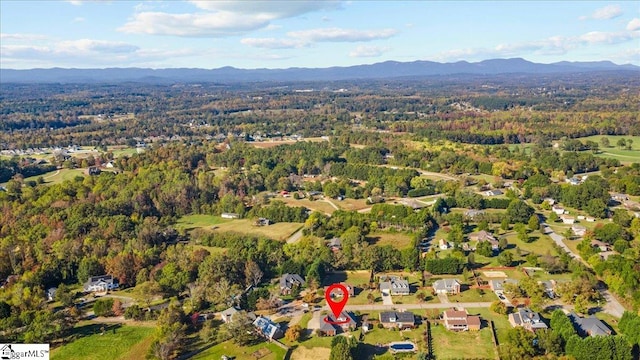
x=404, y=346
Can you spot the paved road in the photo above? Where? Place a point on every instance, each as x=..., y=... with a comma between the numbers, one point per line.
x=295, y=237
x=612, y=306
x=375, y=307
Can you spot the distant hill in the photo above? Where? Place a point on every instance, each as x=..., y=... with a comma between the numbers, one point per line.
x=388, y=69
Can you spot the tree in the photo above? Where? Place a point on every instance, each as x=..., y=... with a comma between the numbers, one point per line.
x=562, y=325
x=116, y=308
x=604, y=141
x=252, y=273
x=64, y=295
x=597, y=208
x=241, y=329
x=293, y=333
x=621, y=143
x=519, y=211
x=103, y=307
x=549, y=341
x=484, y=249
x=629, y=144
x=340, y=349
x=498, y=307
x=505, y=258
x=519, y=345
x=533, y=223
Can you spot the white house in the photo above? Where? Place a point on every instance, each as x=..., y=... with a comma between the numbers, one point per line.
x=230, y=216
x=578, y=230
x=559, y=210
x=567, y=219
x=443, y=244
x=100, y=283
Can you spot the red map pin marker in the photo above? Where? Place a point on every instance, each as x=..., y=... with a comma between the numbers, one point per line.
x=336, y=307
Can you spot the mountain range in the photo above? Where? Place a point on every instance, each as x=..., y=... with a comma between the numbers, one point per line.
x=388, y=69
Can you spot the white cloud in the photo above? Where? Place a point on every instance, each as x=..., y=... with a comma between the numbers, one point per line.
x=193, y=25
x=274, y=9
x=633, y=25
x=604, y=13
x=75, y=2
x=303, y=38
x=79, y=53
x=272, y=43
x=221, y=18
x=341, y=35
x=368, y=51
x=555, y=45
x=22, y=37
x=79, y=19
x=600, y=37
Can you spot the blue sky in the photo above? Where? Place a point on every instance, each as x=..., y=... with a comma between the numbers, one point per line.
x=280, y=34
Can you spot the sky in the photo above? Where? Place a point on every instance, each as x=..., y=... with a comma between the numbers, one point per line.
x=282, y=34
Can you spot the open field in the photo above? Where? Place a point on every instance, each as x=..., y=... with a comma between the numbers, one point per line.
x=303, y=353
x=228, y=348
x=397, y=240
x=614, y=151
x=270, y=144
x=128, y=342
x=462, y=345
x=193, y=221
x=277, y=231
x=352, y=204
x=316, y=205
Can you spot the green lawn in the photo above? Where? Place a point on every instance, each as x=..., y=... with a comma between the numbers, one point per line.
x=277, y=231
x=462, y=345
x=624, y=155
x=193, y=221
x=128, y=342
x=228, y=348
x=398, y=240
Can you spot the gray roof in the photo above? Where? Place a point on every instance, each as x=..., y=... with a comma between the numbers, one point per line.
x=496, y=284
x=266, y=326
x=288, y=281
x=590, y=325
x=445, y=284
x=397, y=317
x=526, y=316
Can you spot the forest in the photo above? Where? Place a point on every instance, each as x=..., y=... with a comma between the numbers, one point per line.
x=415, y=155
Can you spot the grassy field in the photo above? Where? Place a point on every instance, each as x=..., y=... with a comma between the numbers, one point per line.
x=128, y=342
x=624, y=155
x=462, y=345
x=194, y=221
x=316, y=205
x=352, y=204
x=228, y=348
x=278, y=231
x=397, y=240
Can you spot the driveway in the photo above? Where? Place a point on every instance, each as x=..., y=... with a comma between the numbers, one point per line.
x=386, y=299
x=443, y=298
x=612, y=306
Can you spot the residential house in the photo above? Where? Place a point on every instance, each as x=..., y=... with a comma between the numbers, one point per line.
x=550, y=201
x=460, y=320
x=93, y=170
x=619, y=197
x=230, y=216
x=263, y=222
x=549, y=288
x=573, y=181
x=446, y=286
x=375, y=199
x=483, y=235
x=227, y=315
x=590, y=219
x=603, y=246
x=414, y=204
x=100, y=283
x=288, y=282
x=393, y=285
x=494, y=192
x=398, y=319
x=604, y=255
x=109, y=165
x=471, y=214
x=51, y=293
x=350, y=289
x=268, y=328
x=527, y=319
x=335, y=244
x=559, y=210
x=442, y=243
x=343, y=323
x=591, y=326
x=569, y=220
x=578, y=230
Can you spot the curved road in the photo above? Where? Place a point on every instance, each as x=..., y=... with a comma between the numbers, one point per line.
x=612, y=306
